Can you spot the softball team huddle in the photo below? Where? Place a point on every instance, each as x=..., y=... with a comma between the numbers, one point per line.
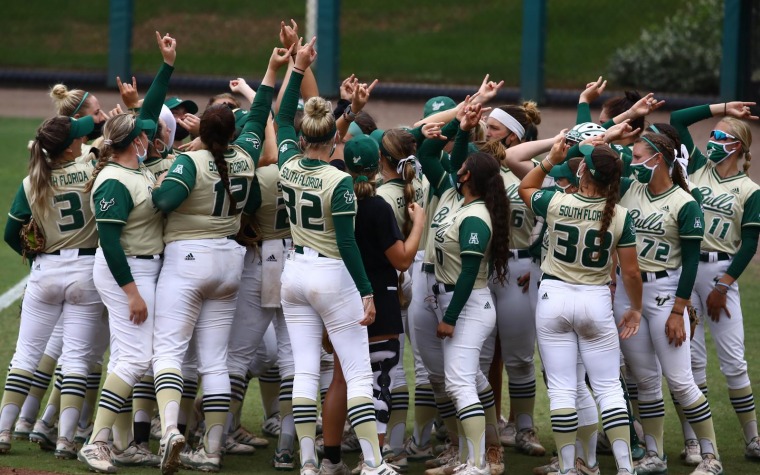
x=302, y=245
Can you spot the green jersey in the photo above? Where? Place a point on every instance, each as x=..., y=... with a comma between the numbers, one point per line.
x=661, y=222
x=466, y=231
x=207, y=212
x=522, y=218
x=314, y=191
x=69, y=222
x=573, y=221
x=123, y=195
x=449, y=202
x=392, y=192
x=272, y=215
x=729, y=204
x=158, y=166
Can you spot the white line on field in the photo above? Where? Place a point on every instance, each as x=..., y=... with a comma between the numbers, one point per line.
x=7, y=299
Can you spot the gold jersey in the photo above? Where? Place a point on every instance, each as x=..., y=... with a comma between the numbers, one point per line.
x=465, y=231
x=272, y=215
x=521, y=216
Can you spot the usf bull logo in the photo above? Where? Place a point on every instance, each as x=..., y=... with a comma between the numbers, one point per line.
x=104, y=205
x=661, y=300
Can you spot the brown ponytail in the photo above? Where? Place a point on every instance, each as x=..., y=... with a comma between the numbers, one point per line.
x=216, y=129
x=396, y=145
x=365, y=188
x=608, y=169
x=45, y=149
x=740, y=129
x=486, y=182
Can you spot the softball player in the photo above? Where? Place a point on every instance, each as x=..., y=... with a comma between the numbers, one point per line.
x=77, y=103
x=731, y=203
x=321, y=205
x=577, y=267
x=205, y=261
x=669, y=228
x=61, y=284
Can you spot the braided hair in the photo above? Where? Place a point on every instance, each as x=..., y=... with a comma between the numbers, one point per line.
x=608, y=168
x=216, y=129
x=397, y=145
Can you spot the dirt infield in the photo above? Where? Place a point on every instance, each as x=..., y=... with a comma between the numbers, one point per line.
x=35, y=103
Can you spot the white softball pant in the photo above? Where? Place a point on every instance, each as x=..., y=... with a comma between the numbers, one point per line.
x=648, y=355
x=574, y=318
x=197, y=292
x=727, y=333
x=60, y=291
x=421, y=291
x=319, y=292
x=131, y=344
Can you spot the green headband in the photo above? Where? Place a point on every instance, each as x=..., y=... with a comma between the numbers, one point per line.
x=140, y=126
x=656, y=149
x=84, y=98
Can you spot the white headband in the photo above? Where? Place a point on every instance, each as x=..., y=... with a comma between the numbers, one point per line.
x=508, y=121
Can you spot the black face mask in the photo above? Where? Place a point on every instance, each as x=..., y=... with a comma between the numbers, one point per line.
x=97, y=132
x=180, y=134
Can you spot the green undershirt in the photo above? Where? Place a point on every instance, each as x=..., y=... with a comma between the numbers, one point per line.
x=745, y=253
x=110, y=242
x=689, y=265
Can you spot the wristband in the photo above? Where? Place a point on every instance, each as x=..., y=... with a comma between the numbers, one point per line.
x=541, y=164
x=298, y=69
x=673, y=312
x=349, y=115
x=724, y=285
x=368, y=296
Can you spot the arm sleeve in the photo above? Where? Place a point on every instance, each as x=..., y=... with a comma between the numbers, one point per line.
x=349, y=252
x=584, y=113
x=176, y=187
x=13, y=234
x=19, y=215
x=608, y=124
x=681, y=120
x=417, y=134
x=287, y=139
x=429, y=156
x=340, y=108
x=745, y=253
x=689, y=265
x=460, y=150
x=110, y=242
x=539, y=202
x=463, y=287
x=154, y=98
x=252, y=136
x=628, y=237
x=254, y=198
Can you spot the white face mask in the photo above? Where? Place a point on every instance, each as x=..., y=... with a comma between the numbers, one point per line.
x=579, y=173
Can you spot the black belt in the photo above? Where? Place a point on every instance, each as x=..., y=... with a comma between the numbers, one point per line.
x=428, y=268
x=645, y=276
x=83, y=251
x=439, y=288
x=721, y=256
x=150, y=257
x=299, y=250
x=521, y=254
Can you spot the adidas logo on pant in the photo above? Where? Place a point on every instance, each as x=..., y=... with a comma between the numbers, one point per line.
x=189, y=257
x=272, y=258
x=545, y=297
x=487, y=306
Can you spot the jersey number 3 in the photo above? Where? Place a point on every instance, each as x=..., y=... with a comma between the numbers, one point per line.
x=70, y=207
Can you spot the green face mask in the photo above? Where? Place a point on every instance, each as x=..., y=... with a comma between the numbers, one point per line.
x=716, y=151
x=642, y=172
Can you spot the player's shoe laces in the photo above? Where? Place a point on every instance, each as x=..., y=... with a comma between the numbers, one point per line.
x=309, y=468
x=283, y=459
x=170, y=448
x=582, y=468
x=329, y=468
x=691, y=453
x=44, y=435
x=752, y=451
x=447, y=469
x=651, y=464
x=81, y=435
x=382, y=469
x=551, y=467
x=201, y=460
x=134, y=456
x=97, y=457
x=495, y=459
x=526, y=441
x=5, y=441
x=271, y=426
x=233, y=447
x=709, y=466
x=65, y=450
x=24, y=427
x=625, y=471
x=507, y=432
x=450, y=453
x=246, y=437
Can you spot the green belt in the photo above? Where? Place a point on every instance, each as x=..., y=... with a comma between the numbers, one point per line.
x=84, y=251
x=299, y=250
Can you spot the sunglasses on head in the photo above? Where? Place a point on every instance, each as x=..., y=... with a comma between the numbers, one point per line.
x=720, y=135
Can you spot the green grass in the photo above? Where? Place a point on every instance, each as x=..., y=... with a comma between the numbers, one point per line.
x=442, y=41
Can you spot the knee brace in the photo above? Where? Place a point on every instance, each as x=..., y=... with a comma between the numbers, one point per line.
x=384, y=357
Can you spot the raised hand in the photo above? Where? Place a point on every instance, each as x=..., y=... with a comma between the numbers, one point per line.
x=432, y=130
x=128, y=92
x=168, y=47
x=361, y=95
x=593, y=91
x=347, y=88
x=644, y=106
x=621, y=131
x=473, y=113
x=488, y=90
x=115, y=111
x=280, y=57
x=559, y=149
x=288, y=33
x=740, y=110
x=190, y=123
x=306, y=54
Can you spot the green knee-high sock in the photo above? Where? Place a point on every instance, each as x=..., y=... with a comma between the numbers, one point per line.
x=488, y=401
x=122, y=426
x=564, y=428
x=50, y=414
x=305, y=419
x=17, y=386
x=744, y=405
x=425, y=411
x=73, y=390
x=143, y=407
x=113, y=396
x=269, y=386
x=448, y=413
x=239, y=386
x=653, y=421
x=287, y=426
x=700, y=418
x=168, y=395
x=473, y=420
x=397, y=422
x=522, y=400
x=361, y=414
x=215, y=409
x=617, y=426
x=587, y=436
